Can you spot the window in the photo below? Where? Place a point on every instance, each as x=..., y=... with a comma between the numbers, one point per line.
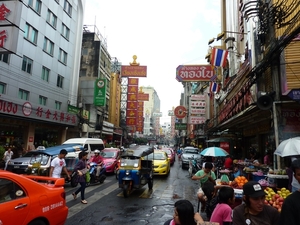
x=27, y=64
x=57, y=105
x=36, y=5
x=45, y=74
x=4, y=57
x=60, y=81
x=9, y=189
x=23, y=94
x=42, y=100
x=68, y=8
x=2, y=88
x=65, y=31
x=51, y=18
x=31, y=33
x=48, y=46
x=62, y=57
x=82, y=73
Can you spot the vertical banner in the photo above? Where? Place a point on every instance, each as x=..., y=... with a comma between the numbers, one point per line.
x=140, y=118
x=100, y=92
x=132, y=102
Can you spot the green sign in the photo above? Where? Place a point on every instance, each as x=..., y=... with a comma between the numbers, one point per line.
x=180, y=126
x=100, y=92
x=73, y=109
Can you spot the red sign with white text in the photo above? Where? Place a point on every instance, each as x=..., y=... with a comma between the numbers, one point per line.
x=193, y=73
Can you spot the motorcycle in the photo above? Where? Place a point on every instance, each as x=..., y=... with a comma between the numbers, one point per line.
x=194, y=166
x=92, y=171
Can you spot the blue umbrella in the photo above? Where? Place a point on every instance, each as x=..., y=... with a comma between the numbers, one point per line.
x=214, y=151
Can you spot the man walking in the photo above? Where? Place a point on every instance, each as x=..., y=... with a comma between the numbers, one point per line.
x=58, y=165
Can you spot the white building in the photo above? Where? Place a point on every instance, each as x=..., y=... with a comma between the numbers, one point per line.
x=39, y=70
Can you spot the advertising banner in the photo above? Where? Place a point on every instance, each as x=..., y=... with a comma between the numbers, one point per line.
x=131, y=121
x=134, y=71
x=197, y=119
x=143, y=97
x=193, y=73
x=100, y=92
x=132, y=105
x=131, y=97
x=133, y=81
x=131, y=113
x=180, y=126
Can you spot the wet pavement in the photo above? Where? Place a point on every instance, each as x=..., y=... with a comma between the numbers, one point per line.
x=107, y=206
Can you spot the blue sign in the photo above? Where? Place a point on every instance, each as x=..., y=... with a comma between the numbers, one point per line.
x=294, y=94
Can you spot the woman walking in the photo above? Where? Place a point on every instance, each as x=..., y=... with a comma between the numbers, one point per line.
x=81, y=169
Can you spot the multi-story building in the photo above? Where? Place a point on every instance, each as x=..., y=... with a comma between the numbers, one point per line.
x=151, y=123
x=39, y=61
x=95, y=64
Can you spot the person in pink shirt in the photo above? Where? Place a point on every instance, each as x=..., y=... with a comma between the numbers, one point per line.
x=222, y=213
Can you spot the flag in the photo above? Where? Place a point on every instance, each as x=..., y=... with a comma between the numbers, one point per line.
x=214, y=87
x=214, y=77
x=218, y=57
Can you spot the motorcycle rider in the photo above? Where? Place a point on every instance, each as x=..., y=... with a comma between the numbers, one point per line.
x=97, y=158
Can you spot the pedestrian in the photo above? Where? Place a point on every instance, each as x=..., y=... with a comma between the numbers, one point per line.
x=81, y=168
x=58, y=165
x=223, y=212
x=295, y=184
x=268, y=158
x=291, y=205
x=204, y=175
x=228, y=163
x=184, y=214
x=7, y=157
x=254, y=211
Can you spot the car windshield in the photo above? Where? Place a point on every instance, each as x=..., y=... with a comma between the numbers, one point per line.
x=109, y=154
x=167, y=151
x=41, y=159
x=158, y=156
x=190, y=151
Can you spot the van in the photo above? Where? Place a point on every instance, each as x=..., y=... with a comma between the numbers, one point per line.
x=89, y=144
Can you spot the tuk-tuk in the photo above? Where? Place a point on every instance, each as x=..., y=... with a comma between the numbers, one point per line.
x=136, y=169
x=40, y=161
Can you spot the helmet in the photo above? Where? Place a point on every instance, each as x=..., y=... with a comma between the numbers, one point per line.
x=97, y=151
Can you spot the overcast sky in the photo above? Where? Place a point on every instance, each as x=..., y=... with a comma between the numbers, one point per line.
x=162, y=33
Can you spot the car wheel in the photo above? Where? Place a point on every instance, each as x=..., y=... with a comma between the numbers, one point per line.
x=182, y=165
x=150, y=183
x=37, y=222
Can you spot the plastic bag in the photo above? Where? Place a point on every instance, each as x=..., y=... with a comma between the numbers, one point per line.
x=87, y=177
x=224, y=179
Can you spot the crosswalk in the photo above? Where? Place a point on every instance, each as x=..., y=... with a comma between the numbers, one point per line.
x=96, y=192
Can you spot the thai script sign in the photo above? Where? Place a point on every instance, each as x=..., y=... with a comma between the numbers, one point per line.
x=193, y=73
x=134, y=71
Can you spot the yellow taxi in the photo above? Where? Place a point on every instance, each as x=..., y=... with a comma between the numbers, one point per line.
x=161, y=162
x=32, y=200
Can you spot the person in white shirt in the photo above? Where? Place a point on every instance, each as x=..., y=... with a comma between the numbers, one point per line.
x=58, y=165
x=7, y=157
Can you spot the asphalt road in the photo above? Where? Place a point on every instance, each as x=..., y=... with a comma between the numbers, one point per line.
x=106, y=204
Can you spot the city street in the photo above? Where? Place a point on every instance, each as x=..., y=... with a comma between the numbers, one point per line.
x=106, y=204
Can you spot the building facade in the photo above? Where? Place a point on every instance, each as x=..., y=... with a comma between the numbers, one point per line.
x=39, y=74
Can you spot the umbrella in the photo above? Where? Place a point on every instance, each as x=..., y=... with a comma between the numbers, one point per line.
x=214, y=151
x=288, y=147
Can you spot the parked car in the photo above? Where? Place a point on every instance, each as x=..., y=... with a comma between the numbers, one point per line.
x=21, y=203
x=171, y=155
x=187, y=153
x=19, y=165
x=161, y=162
x=110, y=158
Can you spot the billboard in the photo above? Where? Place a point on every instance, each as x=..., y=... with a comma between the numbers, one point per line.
x=133, y=71
x=192, y=73
x=100, y=92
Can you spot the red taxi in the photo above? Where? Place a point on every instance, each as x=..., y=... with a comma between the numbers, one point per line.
x=32, y=200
